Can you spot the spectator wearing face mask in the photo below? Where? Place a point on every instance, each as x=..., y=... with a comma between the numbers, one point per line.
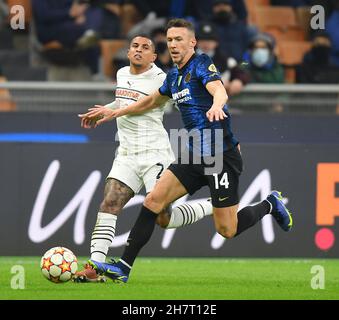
x=163, y=60
x=233, y=77
x=233, y=34
x=318, y=65
x=263, y=66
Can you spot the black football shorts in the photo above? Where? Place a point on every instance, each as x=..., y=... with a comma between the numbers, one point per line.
x=223, y=184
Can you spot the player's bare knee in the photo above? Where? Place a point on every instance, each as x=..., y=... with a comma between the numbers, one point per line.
x=226, y=232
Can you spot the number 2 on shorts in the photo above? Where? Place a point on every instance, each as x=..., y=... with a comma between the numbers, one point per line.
x=223, y=181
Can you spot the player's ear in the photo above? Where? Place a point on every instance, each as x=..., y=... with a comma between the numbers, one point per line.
x=193, y=42
x=154, y=57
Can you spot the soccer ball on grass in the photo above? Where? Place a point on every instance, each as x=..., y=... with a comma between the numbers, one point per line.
x=59, y=264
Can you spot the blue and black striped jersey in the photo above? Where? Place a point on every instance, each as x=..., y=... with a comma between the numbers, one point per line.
x=187, y=86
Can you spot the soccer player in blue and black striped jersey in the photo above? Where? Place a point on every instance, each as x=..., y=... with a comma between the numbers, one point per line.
x=195, y=84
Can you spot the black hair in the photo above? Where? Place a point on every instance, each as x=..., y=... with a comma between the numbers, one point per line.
x=144, y=35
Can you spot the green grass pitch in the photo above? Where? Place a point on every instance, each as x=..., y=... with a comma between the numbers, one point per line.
x=185, y=279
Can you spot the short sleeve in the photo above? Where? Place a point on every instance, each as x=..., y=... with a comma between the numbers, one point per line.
x=164, y=89
x=206, y=70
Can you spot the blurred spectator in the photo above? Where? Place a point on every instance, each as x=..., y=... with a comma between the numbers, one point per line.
x=232, y=76
x=153, y=14
x=332, y=28
x=150, y=14
x=4, y=12
x=233, y=34
x=202, y=10
x=69, y=32
x=110, y=26
x=147, y=25
x=144, y=7
x=163, y=60
x=142, y=16
x=67, y=21
x=184, y=8
x=263, y=66
x=318, y=66
x=239, y=8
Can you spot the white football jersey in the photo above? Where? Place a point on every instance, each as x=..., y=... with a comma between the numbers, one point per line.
x=144, y=132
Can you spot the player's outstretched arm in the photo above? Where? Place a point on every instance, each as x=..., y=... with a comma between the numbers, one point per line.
x=89, y=119
x=218, y=91
x=144, y=104
x=103, y=114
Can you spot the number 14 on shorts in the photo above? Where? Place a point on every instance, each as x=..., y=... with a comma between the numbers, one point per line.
x=223, y=182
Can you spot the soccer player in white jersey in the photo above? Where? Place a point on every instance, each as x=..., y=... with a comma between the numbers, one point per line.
x=144, y=153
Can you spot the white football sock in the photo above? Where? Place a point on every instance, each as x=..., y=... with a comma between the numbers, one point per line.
x=102, y=236
x=186, y=214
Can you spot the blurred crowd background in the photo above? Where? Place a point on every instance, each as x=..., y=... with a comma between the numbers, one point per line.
x=250, y=41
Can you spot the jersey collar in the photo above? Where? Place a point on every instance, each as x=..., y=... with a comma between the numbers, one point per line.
x=187, y=63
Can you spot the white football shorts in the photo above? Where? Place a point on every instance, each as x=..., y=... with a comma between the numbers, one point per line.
x=141, y=169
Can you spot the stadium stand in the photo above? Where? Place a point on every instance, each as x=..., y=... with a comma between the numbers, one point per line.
x=289, y=25
x=291, y=33
x=6, y=102
x=304, y=18
x=108, y=49
x=283, y=17
x=251, y=5
x=290, y=54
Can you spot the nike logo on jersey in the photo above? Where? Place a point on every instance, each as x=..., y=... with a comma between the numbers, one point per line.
x=222, y=199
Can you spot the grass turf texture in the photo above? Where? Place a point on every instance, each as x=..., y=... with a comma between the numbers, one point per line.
x=184, y=279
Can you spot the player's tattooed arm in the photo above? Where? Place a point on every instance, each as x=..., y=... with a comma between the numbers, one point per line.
x=218, y=91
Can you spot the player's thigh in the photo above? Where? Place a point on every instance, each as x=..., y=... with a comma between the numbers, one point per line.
x=167, y=189
x=116, y=195
x=226, y=220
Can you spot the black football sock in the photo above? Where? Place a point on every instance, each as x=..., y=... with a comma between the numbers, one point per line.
x=139, y=235
x=250, y=215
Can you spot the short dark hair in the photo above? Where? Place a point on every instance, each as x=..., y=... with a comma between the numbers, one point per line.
x=143, y=35
x=180, y=23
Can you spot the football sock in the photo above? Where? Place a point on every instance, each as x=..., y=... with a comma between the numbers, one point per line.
x=186, y=214
x=139, y=235
x=102, y=236
x=250, y=215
